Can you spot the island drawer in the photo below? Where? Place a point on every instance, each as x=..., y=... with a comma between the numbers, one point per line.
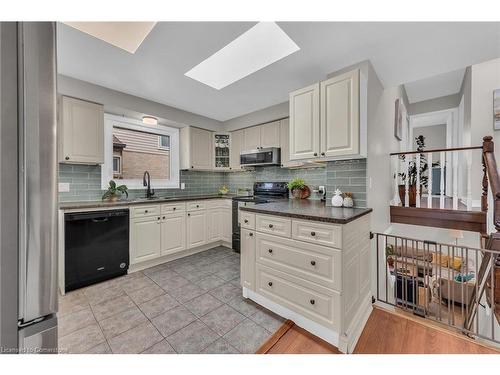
x=317, y=233
x=247, y=220
x=313, y=301
x=142, y=211
x=279, y=226
x=196, y=205
x=173, y=207
x=315, y=263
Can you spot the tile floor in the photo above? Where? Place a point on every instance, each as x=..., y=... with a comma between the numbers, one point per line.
x=190, y=305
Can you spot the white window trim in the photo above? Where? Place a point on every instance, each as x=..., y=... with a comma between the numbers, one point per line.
x=132, y=124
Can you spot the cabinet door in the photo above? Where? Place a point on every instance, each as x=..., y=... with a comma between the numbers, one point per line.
x=145, y=239
x=227, y=228
x=304, y=123
x=284, y=144
x=252, y=138
x=173, y=233
x=214, y=224
x=247, y=262
x=340, y=115
x=201, y=149
x=82, y=130
x=270, y=134
x=236, y=147
x=196, y=228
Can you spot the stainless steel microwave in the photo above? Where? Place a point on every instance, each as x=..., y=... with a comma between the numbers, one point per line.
x=260, y=157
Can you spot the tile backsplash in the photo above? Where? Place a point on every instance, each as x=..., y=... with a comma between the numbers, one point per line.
x=347, y=175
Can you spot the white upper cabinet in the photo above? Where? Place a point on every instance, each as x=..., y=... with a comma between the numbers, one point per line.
x=196, y=149
x=262, y=136
x=237, y=139
x=340, y=115
x=304, y=123
x=284, y=145
x=251, y=138
x=325, y=119
x=270, y=134
x=81, y=132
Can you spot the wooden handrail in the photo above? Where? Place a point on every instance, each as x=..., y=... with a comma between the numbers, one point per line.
x=437, y=150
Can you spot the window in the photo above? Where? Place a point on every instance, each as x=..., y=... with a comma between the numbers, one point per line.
x=117, y=165
x=164, y=142
x=131, y=148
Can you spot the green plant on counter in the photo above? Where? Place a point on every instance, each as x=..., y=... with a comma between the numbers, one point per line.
x=296, y=183
x=114, y=192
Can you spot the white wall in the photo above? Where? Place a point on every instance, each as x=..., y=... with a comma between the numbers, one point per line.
x=436, y=104
x=275, y=112
x=119, y=103
x=485, y=78
x=435, y=136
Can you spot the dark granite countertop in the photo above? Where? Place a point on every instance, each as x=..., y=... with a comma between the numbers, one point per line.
x=137, y=201
x=309, y=210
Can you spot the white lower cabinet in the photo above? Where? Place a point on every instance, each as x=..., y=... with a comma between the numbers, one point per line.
x=173, y=233
x=145, y=239
x=247, y=262
x=159, y=230
x=197, y=228
x=316, y=274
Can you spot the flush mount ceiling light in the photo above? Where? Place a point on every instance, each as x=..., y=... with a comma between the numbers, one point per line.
x=149, y=120
x=124, y=35
x=262, y=45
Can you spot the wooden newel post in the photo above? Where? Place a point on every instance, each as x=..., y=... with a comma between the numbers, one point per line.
x=488, y=146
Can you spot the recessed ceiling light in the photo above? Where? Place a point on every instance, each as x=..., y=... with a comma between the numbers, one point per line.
x=262, y=45
x=125, y=35
x=149, y=120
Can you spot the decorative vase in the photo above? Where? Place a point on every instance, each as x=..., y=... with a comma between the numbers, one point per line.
x=337, y=200
x=303, y=193
x=348, y=202
x=412, y=194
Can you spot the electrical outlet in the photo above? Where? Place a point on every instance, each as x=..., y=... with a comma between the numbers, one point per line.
x=183, y=185
x=63, y=187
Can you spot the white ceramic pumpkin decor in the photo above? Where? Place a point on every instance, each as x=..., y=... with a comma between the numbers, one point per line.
x=337, y=199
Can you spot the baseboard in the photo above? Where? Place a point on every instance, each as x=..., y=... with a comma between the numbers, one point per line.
x=348, y=340
x=168, y=258
x=317, y=329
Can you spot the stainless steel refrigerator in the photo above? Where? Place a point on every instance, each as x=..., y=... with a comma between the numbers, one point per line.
x=28, y=188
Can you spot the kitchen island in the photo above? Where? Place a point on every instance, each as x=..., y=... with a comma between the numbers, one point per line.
x=311, y=264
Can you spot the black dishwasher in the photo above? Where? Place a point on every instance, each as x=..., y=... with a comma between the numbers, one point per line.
x=96, y=247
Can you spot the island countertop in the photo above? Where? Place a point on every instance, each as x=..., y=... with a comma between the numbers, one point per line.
x=137, y=201
x=308, y=209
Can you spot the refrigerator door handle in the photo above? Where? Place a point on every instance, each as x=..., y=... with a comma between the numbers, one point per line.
x=38, y=171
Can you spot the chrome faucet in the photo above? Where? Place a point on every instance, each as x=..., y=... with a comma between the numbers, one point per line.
x=149, y=192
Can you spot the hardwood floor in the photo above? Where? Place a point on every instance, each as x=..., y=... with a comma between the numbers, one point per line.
x=384, y=333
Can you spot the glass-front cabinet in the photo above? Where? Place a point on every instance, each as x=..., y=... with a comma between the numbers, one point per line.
x=222, y=144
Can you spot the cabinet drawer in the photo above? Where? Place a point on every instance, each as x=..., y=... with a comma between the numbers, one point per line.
x=247, y=220
x=315, y=263
x=218, y=203
x=273, y=224
x=313, y=301
x=317, y=233
x=196, y=205
x=173, y=207
x=142, y=211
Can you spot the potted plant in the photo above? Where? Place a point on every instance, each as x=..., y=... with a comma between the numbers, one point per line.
x=299, y=188
x=411, y=174
x=114, y=192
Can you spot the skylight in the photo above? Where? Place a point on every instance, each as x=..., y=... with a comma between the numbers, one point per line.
x=262, y=45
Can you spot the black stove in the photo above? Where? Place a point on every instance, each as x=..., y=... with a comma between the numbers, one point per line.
x=263, y=192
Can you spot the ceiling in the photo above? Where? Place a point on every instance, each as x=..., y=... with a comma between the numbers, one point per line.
x=435, y=86
x=399, y=52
